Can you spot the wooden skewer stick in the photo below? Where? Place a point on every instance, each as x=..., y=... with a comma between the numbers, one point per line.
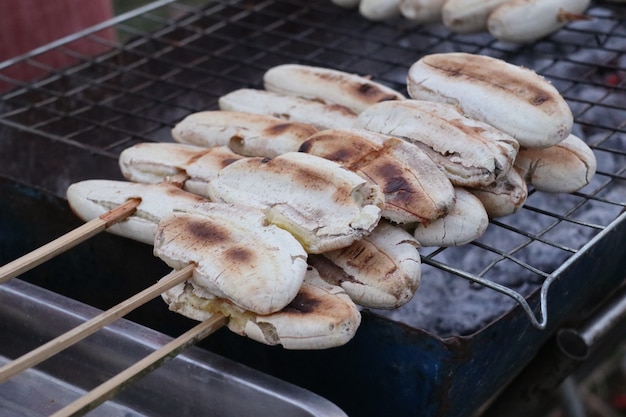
x=67, y=241
x=78, y=333
x=114, y=385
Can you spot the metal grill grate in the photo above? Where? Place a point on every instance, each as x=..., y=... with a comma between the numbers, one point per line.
x=169, y=59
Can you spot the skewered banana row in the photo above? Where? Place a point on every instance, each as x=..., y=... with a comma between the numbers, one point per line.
x=294, y=222
x=254, y=272
x=515, y=21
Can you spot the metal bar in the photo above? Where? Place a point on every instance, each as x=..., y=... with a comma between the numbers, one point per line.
x=87, y=31
x=78, y=333
x=579, y=342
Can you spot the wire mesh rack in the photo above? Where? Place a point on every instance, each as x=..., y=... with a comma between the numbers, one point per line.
x=154, y=65
x=130, y=78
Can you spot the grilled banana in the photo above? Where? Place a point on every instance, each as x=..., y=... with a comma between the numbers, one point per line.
x=290, y=108
x=505, y=196
x=563, y=168
x=321, y=316
x=328, y=86
x=515, y=100
x=422, y=11
x=521, y=21
x=415, y=188
x=379, y=9
x=92, y=198
x=245, y=133
x=237, y=254
x=467, y=221
x=155, y=162
x=473, y=153
x=468, y=16
x=322, y=204
x=381, y=270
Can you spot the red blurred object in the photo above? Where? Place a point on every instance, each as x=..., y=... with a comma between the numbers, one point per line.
x=619, y=402
x=29, y=24
x=614, y=79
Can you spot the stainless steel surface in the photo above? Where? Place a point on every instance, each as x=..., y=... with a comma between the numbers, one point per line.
x=196, y=383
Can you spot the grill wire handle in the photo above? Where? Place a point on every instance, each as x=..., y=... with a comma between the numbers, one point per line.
x=539, y=321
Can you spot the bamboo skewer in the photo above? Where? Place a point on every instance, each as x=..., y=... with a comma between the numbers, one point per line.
x=114, y=385
x=67, y=241
x=78, y=333
x=49, y=349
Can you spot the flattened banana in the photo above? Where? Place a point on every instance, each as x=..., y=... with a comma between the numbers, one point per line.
x=515, y=100
x=563, y=168
x=381, y=270
x=321, y=316
x=322, y=204
x=237, y=254
x=468, y=16
x=415, y=188
x=422, y=11
x=154, y=162
x=328, y=86
x=92, y=198
x=520, y=21
x=290, y=108
x=247, y=134
x=473, y=153
x=466, y=222
x=505, y=196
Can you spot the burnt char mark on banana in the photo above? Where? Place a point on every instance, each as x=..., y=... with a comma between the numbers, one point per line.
x=391, y=179
x=303, y=303
x=305, y=147
x=472, y=131
x=340, y=110
x=367, y=91
x=376, y=163
x=228, y=161
x=356, y=154
x=373, y=94
x=277, y=129
x=348, y=150
x=308, y=177
x=183, y=195
x=366, y=256
x=301, y=129
x=330, y=271
x=494, y=76
x=208, y=233
x=195, y=155
x=239, y=254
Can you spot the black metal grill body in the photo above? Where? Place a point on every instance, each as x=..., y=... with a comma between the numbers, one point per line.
x=175, y=58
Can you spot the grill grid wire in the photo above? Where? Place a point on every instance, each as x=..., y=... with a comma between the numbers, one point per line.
x=175, y=58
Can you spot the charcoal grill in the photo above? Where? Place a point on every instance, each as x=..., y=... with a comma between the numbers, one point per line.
x=546, y=268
